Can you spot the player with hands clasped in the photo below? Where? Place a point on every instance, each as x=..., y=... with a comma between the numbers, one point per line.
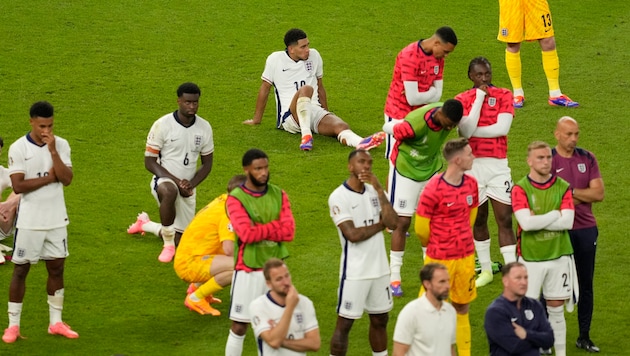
x=174, y=144
x=514, y=323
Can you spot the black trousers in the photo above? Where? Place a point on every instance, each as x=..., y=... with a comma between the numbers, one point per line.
x=584, y=243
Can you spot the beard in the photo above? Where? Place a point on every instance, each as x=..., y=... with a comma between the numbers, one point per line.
x=257, y=183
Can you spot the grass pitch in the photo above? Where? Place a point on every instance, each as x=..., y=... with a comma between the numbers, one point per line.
x=112, y=68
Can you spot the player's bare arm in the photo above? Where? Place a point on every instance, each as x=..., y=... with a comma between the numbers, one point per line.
x=152, y=165
x=321, y=92
x=310, y=342
x=203, y=171
x=21, y=185
x=275, y=336
x=62, y=173
x=9, y=206
x=228, y=247
x=358, y=234
x=400, y=349
x=261, y=103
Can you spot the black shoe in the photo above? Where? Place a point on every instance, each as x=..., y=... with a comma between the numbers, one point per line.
x=586, y=344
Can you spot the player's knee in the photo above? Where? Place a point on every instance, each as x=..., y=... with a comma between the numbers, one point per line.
x=379, y=321
x=305, y=90
x=239, y=328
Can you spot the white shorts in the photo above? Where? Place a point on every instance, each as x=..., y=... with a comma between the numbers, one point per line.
x=184, y=207
x=555, y=277
x=403, y=192
x=30, y=246
x=390, y=141
x=370, y=295
x=290, y=124
x=246, y=286
x=494, y=179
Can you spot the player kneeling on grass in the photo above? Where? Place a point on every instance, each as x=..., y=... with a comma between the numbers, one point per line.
x=204, y=257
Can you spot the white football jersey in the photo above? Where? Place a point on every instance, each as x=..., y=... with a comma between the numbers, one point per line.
x=365, y=259
x=287, y=76
x=263, y=310
x=45, y=207
x=180, y=146
x=5, y=179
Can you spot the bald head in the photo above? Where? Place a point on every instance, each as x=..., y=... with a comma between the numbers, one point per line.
x=567, y=134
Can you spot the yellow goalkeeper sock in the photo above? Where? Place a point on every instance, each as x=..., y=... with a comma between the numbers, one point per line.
x=513, y=65
x=463, y=335
x=207, y=289
x=551, y=65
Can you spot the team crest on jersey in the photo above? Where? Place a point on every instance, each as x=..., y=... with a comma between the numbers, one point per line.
x=230, y=228
x=335, y=210
x=436, y=69
x=238, y=308
x=581, y=167
x=198, y=139
x=469, y=200
x=299, y=318
x=347, y=305
x=374, y=202
x=492, y=101
x=21, y=252
x=309, y=65
x=529, y=314
x=256, y=321
x=504, y=32
x=402, y=203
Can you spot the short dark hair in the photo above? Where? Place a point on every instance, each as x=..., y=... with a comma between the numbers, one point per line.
x=293, y=36
x=271, y=264
x=447, y=35
x=42, y=109
x=355, y=152
x=252, y=155
x=452, y=147
x=508, y=267
x=479, y=60
x=453, y=109
x=426, y=273
x=236, y=181
x=188, y=88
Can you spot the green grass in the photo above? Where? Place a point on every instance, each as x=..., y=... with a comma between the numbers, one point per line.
x=111, y=68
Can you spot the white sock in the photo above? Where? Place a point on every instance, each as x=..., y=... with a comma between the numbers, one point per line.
x=168, y=235
x=304, y=115
x=349, y=138
x=483, y=254
x=234, y=345
x=559, y=326
x=382, y=353
x=555, y=93
x=395, y=263
x=424, y=253
x=15, y=312
x=152, y=227
x=519, y=92
x=55, y=306
x=509, y=253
